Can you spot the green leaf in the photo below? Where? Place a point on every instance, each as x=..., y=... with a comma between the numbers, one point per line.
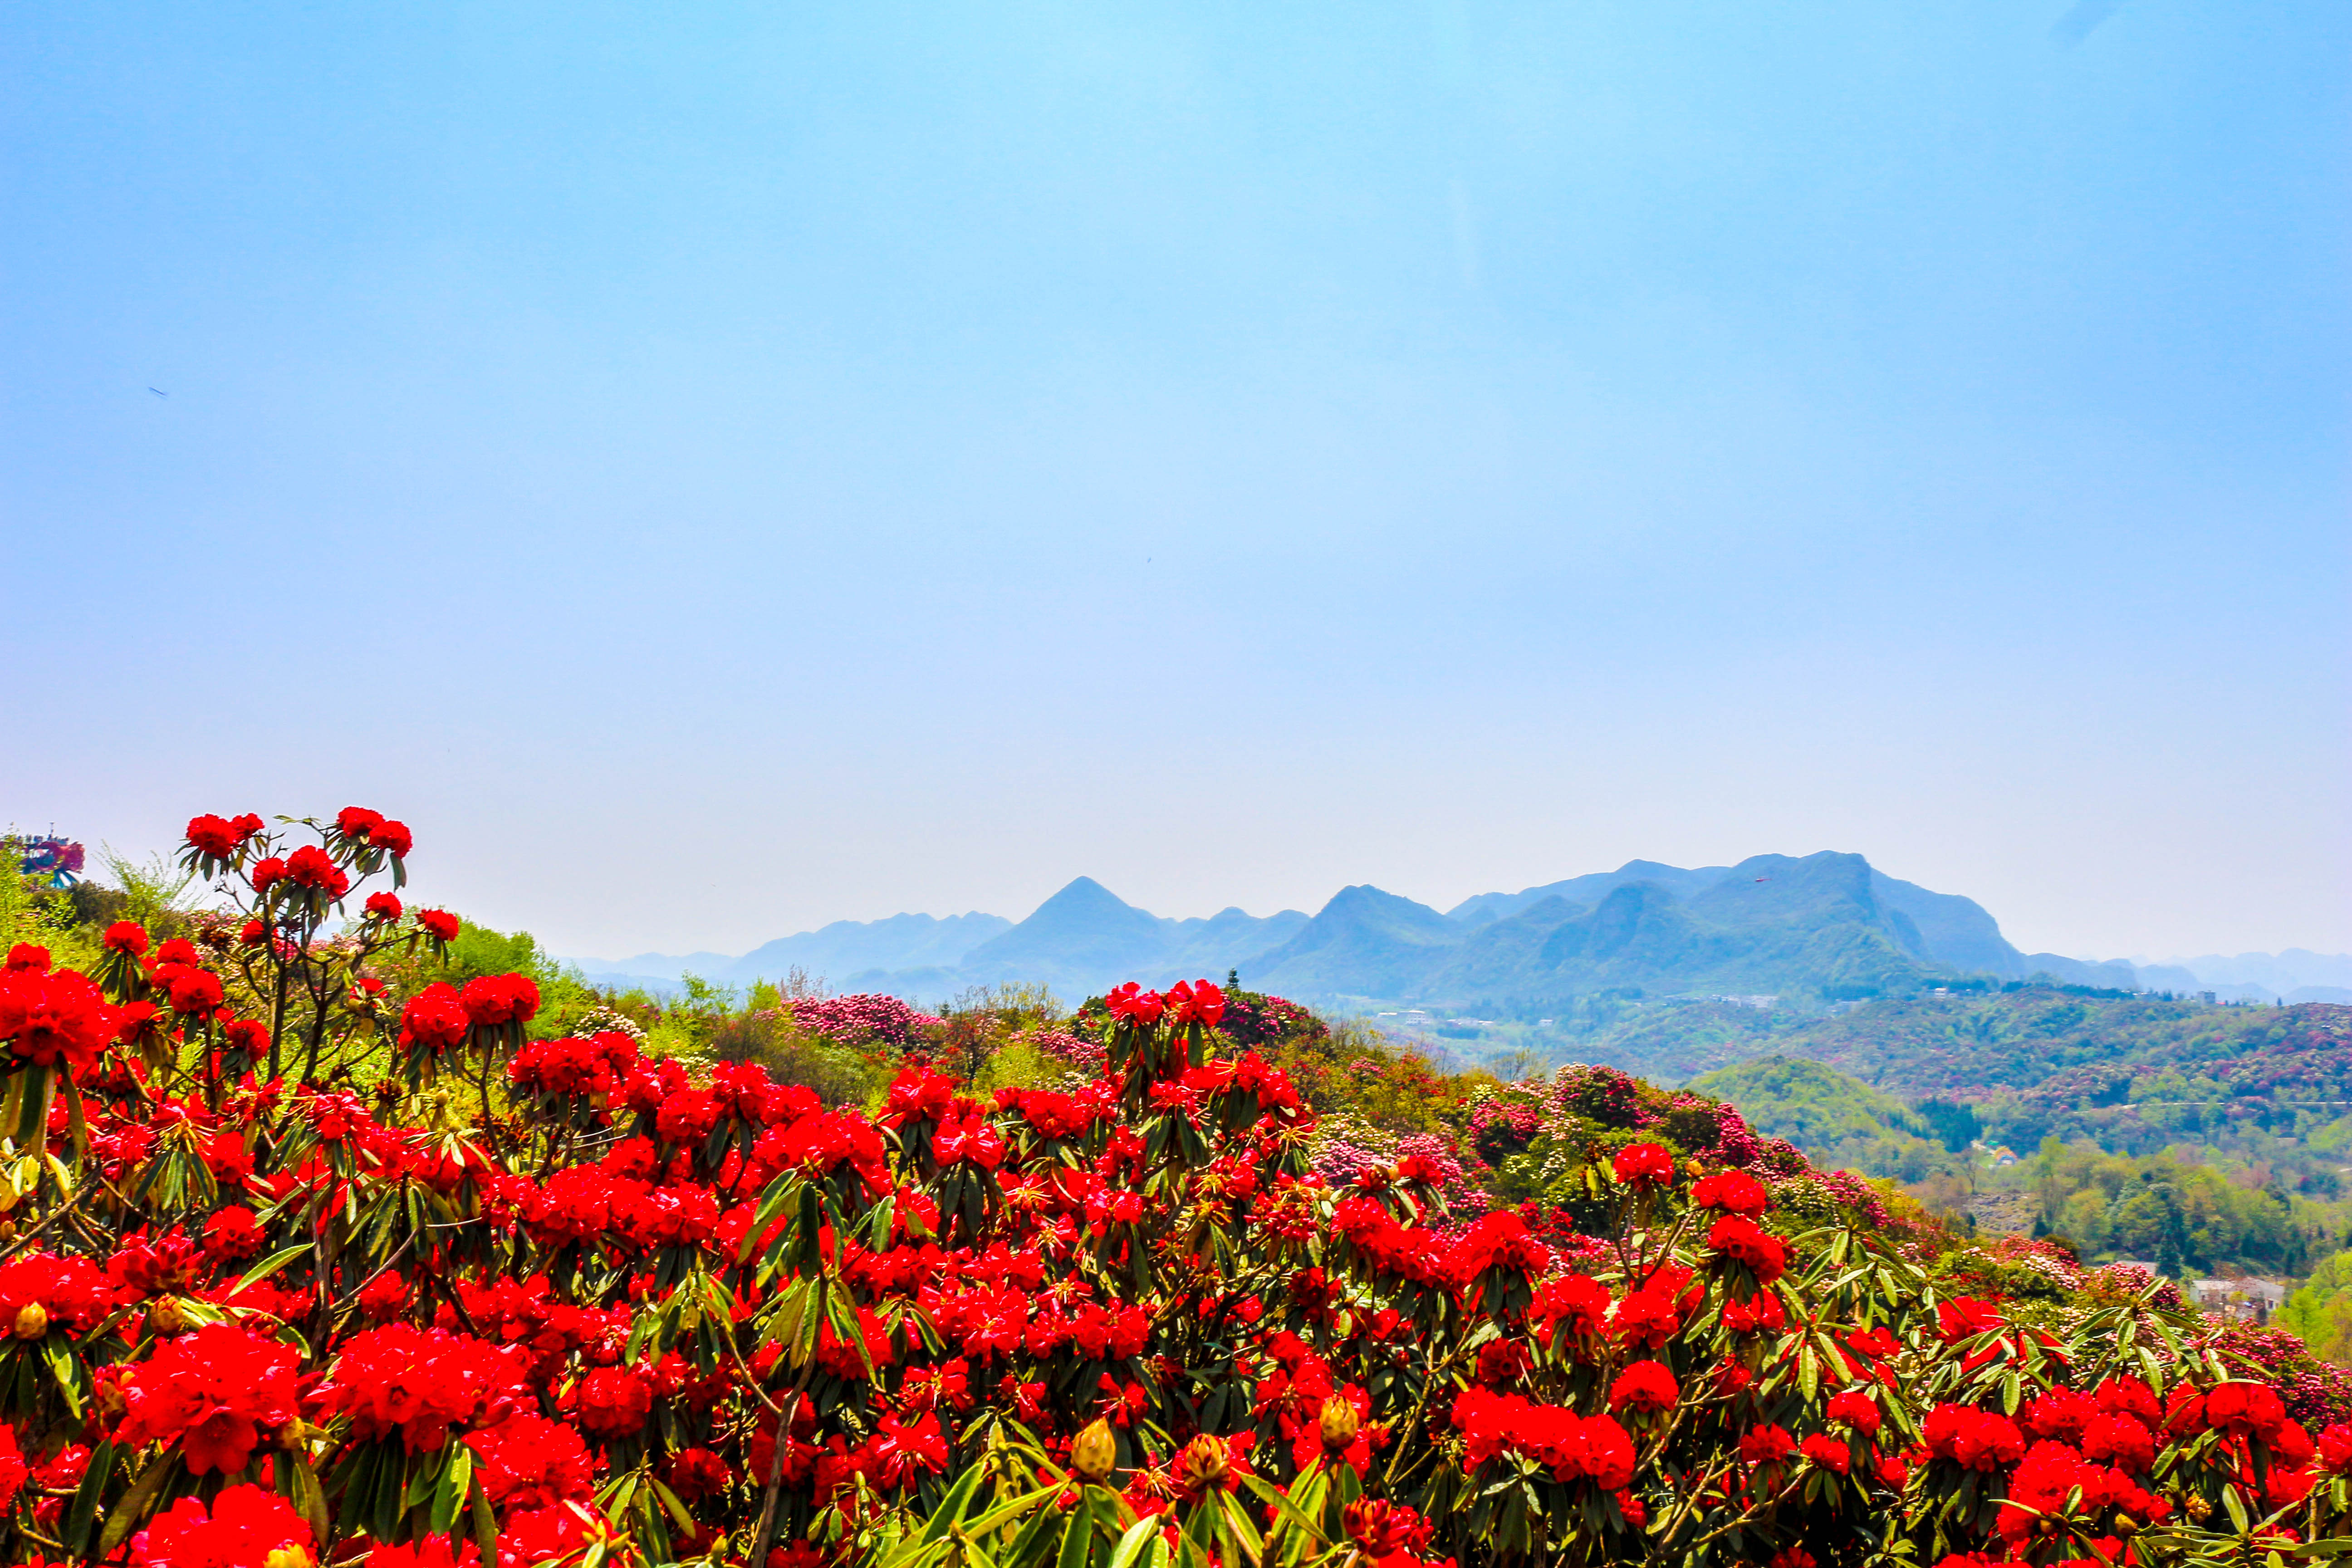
x=950, y=1512
x=674, y=1505
x=124, y=1517
x=1132, y=1544
x=1004, y=1513
x=1238, y=1527
x=457, y=1480
x=842, y=1313
x=62, y=1367
x=1078, y=1540
x=309, y=1499
x=268, y=1265
x=85, y=1502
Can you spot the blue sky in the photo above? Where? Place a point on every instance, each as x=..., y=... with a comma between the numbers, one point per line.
x=713, y=471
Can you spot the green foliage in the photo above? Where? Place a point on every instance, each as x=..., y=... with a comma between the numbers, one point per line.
x=1836, y=1120
x=839, y=1075
x=1953, y=1123
x=2182, y=1215
x=2321, y=1312
x=479, y=951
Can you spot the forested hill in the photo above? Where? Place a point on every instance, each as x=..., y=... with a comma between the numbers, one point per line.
x=1810, y=930
x=2126, y=1071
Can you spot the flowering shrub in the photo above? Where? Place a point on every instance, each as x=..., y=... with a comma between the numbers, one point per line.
x=862, y=1019
x=421, y=1291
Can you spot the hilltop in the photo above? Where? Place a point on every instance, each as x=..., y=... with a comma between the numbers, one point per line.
x=1807, y=931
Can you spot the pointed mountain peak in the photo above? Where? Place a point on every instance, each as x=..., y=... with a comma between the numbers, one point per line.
x=1085, y=904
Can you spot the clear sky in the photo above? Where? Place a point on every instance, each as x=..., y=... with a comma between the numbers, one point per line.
x=715, y=469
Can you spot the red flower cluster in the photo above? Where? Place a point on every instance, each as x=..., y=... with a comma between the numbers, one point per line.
x=357, y=825
x=218, y=1392
x=1973, y=1439
x=1643, y=1165
x=49, y=1016
x=220, y=837
x=1593, y=1449
x=246, y=1526
x=420, y=1383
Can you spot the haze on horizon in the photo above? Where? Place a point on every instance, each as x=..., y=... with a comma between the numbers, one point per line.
x=714, y=474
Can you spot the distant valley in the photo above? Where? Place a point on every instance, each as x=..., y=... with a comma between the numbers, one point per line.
x=1803, y=932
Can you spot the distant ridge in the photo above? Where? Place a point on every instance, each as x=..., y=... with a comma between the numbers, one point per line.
x=1810, y=930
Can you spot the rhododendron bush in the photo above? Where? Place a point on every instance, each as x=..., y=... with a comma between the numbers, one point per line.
x=308, y=1260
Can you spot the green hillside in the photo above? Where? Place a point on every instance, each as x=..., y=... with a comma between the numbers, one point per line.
x=1838, y=1120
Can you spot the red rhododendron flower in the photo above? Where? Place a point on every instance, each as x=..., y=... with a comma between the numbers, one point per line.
x=436, y=1019
x=1964, y=1317
x=1198, y=1002
x=1852, y=1408
x=1381, y=1530
x=246, y=1527
x=2129, y=1396
x=266, y=874
x=2122, y=1441
x=127, y=937
x=1827, y=1452
x=420, y=1383
x=613, y=1401
x=384, y=907
x=311, y=866
x=70, y=1291
x=529, y=1462
x=220, y=1392
x=1765, y=1445
x=1733, y=1192
x=392, y=837
x=358, y=821
x=558, y=1534
x=28, y=957
x=432, y=1551
x=1645, y=1386
x=1133, y=1005
x=48, y=1017
x=695, y=1473
x=1766, y=1256
x=221, y=838
x=2246, y=1409
x=1643, y=1165
x=233, y=1235
x=1973, y=1440
x=492, y=1000
x=438, y=924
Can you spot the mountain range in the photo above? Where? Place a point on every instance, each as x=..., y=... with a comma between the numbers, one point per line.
x=1808, y=929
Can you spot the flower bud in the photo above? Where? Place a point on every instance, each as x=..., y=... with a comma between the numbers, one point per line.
x=1339, y=1423
x=113, y=1400
x=32, y=1320
x=1202, y=1464
x=288, y=1557
x=1094, y=1453
x=166, y=1316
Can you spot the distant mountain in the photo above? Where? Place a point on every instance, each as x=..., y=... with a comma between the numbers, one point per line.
x=1815, y=928
x=1364, y=943
x=1587, y=890
x=1085, y=939
x=2297, y=974
x=902, y=941
x=1808, y=929
x=834, y=951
